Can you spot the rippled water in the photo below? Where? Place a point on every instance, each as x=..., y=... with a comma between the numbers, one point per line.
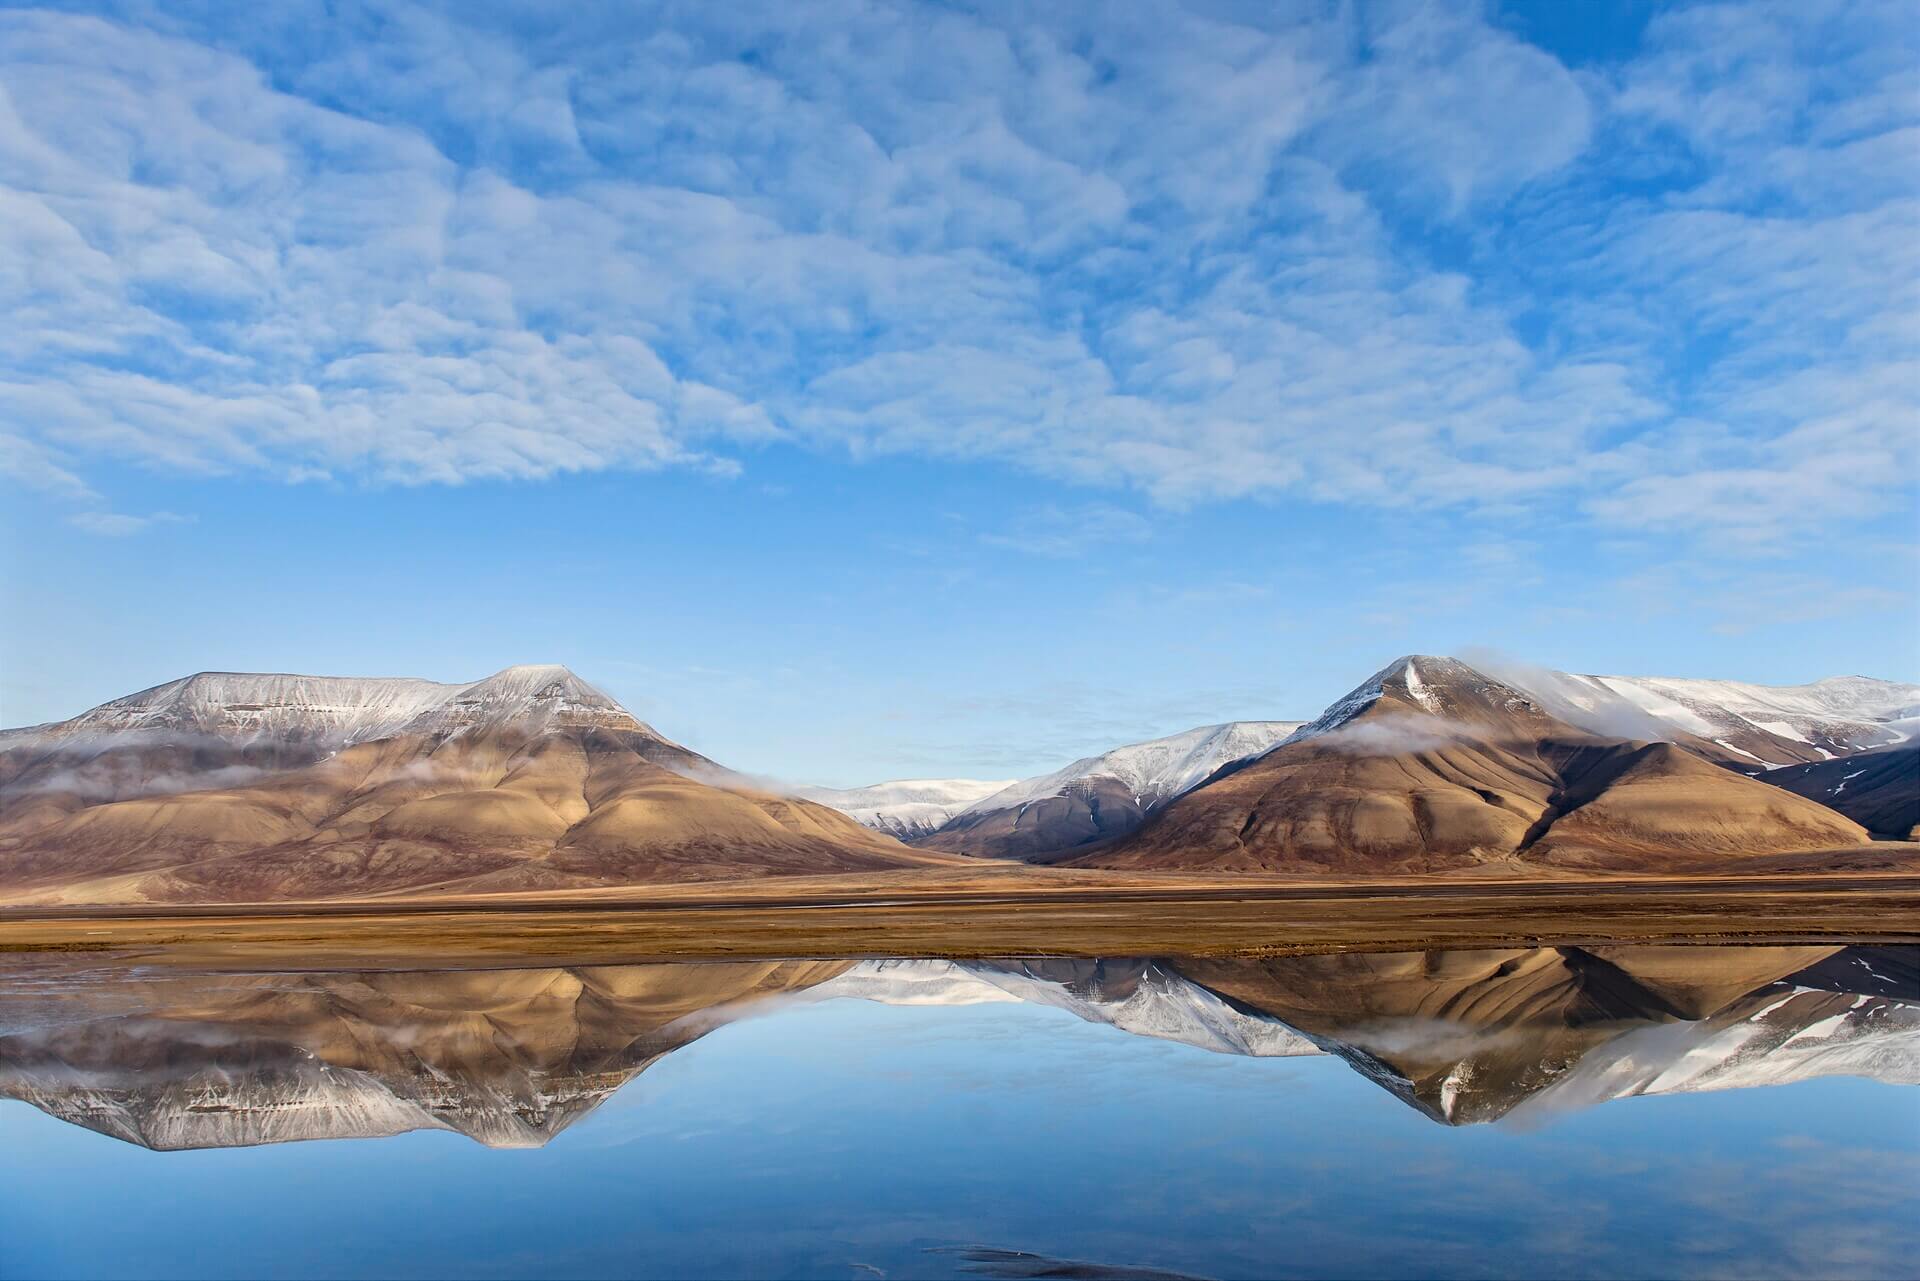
x=1643, y=1111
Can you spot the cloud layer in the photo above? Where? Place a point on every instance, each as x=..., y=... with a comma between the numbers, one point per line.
x=1388, y=256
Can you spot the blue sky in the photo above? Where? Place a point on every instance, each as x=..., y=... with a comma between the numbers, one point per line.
x=881, y=389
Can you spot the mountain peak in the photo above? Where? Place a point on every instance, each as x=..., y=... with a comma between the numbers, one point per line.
x=529, y=695
x=338, y=710
x=1153, y=771
x=245, y=704
x=1429, y=684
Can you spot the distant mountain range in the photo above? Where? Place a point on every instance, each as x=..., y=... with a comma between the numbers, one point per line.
x=1730, y=722
x=1431, y=765
x=174, y=1060
x=1746, y=728
x=1100, y=797
x=909, y=807
x=265, y=787
x=1878, y=789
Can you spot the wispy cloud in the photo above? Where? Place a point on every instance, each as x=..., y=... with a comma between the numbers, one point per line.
x=121, y=524
x=1067, y=532
x=1402, y=259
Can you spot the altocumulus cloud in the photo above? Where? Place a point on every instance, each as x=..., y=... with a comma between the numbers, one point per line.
x=1377, y=255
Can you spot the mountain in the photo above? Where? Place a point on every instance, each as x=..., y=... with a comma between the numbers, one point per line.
x=170, y=1059
x=217, y=728
x=262, y=788
x=905, y=808
x=1432, y=765
x=1745, y=726
x=1880, y=789
x=1101, y=797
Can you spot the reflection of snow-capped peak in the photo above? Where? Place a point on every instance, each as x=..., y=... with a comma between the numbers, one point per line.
x=1776, y=1036
x=908, y=982
x=1139, y=997
x=1155, y=771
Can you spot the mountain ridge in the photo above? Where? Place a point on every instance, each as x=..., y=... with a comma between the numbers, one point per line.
x=1432, y=765
x=527, y=780
x=905, y=807
x=1103, y=796
x=225, y=786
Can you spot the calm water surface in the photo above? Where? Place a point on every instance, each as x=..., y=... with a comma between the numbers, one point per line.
x=1566, y=1112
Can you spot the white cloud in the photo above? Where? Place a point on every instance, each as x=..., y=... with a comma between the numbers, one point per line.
x=1126, y=248
x=120, y=524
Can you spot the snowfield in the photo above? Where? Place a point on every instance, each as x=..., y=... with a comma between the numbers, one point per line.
x=1155, y=771
x=905, y=807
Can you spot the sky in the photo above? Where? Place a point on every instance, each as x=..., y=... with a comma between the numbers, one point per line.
x=893, y=389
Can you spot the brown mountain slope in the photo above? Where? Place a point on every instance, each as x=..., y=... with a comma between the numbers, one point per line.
x=226, y=730
x=1879, y=790
x=562, y=789
x=1432, y=766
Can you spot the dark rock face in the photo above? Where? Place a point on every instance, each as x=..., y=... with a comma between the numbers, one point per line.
x=1047, y=829
x=1879, y=790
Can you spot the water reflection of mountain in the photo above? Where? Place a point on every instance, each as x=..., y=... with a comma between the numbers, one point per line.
x=510, y=1057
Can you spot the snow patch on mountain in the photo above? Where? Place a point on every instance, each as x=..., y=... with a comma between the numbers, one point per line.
x=1155, y=771
x=1847, y=711
x=1768, y=724
x=1445, y=690
x=340, y=710
x=905, y=807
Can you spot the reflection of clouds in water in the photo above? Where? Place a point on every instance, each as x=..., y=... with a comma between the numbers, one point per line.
x=809, y=1135
x=1123, y=1027
x=1800, y=1217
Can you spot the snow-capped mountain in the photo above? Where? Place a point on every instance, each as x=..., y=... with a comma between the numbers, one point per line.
x=531, y=698
x=1734, y=722
x=907, y=807
x=1445, y=689
x=1432, y=765
x=529, y=780
x=1152, y=772
x=255, y=704
x=340, y=710
x=1828, y=718
x=1101, y=797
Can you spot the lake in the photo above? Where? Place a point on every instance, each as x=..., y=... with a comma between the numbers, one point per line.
x=1605, y=1111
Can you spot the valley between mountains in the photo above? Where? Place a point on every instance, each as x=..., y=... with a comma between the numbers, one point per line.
x=268, y=789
